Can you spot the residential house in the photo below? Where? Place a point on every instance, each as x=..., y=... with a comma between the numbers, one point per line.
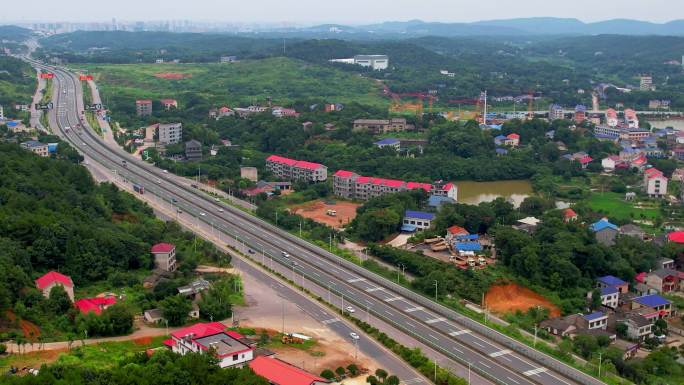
x=569, y=215
x=454, y=232
x=193, y=150
x=595, y=320
x=417, y=220
x=662, y=308
x=631, y=230
x=380, y=126
x=249, y=173
x=499, y=140
x=281, y=112
x=639, y=327
x=556, y=112
x=143, y=107
x=663, y=280
x=306, y=126
x=436, y=201
x=665, y=263
x=279, y=372
x=156, y=316
x=169, y=103
x=46, y=282
x=611, y=117
x=170, y=133
x=389, y=142
x=292, y=169
x=676, y=237
x=350, y=185
x=580, y=113
x=527, y=224
x=655, y=183
x=164, y=256
x=631, y=119
x=212, y=338
x=605, y=231
x=512, y=140
x=94, y=305
x=38, y=148
x=610, y=162
x=612, y=281
x=576, y=324
x=194, y=288
x=609, y=296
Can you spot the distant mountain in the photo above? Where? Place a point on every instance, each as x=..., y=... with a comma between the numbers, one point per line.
x=14, y=33
x=510, y=27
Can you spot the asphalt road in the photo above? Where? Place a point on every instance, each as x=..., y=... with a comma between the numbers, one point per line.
x=441, y=329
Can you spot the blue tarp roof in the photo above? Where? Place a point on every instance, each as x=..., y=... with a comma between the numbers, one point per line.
x=409, y=228
x=602, y=225
x=610, y=280
x=437, y=200
x=419, y=215
x=470, y=237
x=387, y=141
x=652, y=300
x=609, y=290
x=468, y=246
x=500, y=137
x=593, y=316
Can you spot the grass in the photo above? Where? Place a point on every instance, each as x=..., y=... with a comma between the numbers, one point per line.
x=96, y=356
x=283, y=79
x=276, y=342
x=614, y=205
x=92, y=121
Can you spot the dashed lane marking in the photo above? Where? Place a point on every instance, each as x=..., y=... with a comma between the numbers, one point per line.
x=435, y=320
x=459, y=332
x=534, y=371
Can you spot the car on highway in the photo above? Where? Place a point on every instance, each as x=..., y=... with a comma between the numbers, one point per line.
x=354, y=336
x=179, y=211
x=294, y=263
x=203, y=214
x=285, y=254
x=349, y=309
x=174, y=200
x=220, y=210
x=166, y=171
x=158, y=181
x=83, y=144
x=250, y=251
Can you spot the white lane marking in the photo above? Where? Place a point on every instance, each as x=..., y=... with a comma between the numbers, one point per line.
x=353, y=280
x=393, y=299
x=500, y=353
x=534, y=371
x=435, y=338
x=435, y=320
x=316, y=274
x=330, y=321
x=478, y=344
x=412, y=309
x=457, y=349
x=485, y=365
x=372, y=289
x=386, y=311
x=410, y=324
x=512, y=380
x=459, y=332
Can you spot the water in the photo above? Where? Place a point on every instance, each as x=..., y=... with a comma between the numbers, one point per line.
x=676, y=124
x=515, y=191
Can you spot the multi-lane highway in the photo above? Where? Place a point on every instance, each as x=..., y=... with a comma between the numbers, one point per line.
x=493, y=355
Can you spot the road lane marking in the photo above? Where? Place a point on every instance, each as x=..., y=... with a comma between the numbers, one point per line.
x=500, y=353
x=353, y=280
x=435, y=338
x=485, y=365
x=330, y=321
x=410, y=324
x=435, y=320
x=413, y=381
x=386, y=311
x=412, y=309
x=372, y=289
x=457, y=349
x=459, y=332
x=512, y=380
x=478, y=344
x=534, y=371
x=393, y=299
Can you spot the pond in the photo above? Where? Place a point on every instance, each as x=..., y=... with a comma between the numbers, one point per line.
x=515, y=191
x=677, y=124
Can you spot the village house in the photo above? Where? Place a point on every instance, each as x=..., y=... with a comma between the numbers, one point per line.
x=169, y=103
x=380, y=126
x=609, y=163
x=611, y=281
x=655, y=183
x=576, y=324
x=46, y=282
x=193, y=289
x=164, y=256
x=156, y=316
x=388, y=142
x=417, y=220
x=292, y=169
x=94, y=305
x=279, y=372
x=143, y=107
x=38, y=148
x=281, y=112
x=661, y=307
x=639, y=327
x=569, y=215
x=605, y=231
x=663, y=280
x=455, y=231
x=193, y=150
x=632, y=230
x=170, y=133
x=229, y=347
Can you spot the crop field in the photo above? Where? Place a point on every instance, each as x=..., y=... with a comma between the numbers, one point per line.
x=236, y=84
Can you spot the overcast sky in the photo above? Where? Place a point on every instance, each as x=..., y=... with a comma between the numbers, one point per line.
x=342, y=11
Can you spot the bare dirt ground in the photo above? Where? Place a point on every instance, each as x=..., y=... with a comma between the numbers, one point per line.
x=316, y=210
x=510, y=297
x=172, y=75
x=264, y=310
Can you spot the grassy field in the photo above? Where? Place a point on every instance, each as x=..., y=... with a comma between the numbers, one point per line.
x=283, y=79
x=614, y=205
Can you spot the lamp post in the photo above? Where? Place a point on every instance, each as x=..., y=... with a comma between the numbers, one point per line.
x=435, y=290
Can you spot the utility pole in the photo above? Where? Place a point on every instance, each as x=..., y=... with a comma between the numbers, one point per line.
x=535, y=335
x=435, y=290
x=283, y=305
x=599, y=368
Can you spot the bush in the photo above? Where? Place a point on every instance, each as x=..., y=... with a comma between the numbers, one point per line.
x=328, y=374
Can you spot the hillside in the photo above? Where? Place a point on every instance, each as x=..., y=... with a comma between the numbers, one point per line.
x=17, y=83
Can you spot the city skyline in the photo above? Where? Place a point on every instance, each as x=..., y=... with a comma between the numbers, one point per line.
x=308, y=12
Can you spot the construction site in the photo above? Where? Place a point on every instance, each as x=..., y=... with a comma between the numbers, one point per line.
x=466, y=252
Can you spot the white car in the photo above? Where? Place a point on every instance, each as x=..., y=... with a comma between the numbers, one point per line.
x=349, y=309
x=203, y=214
x=354, y=336
x=220, y=210
x=158, y=181
x=166, y=171
x=285, y=254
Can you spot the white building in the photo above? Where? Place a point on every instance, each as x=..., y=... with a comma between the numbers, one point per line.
x=377, y=62
x=212, y=338
x=170, y=133
x=292, y=169
x=36, y=147
x=655, y=183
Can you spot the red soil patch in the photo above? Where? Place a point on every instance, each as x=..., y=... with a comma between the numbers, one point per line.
x=143, y=341
x=172, y=75
x=31, y=330
x=510, y=297
x=316, y=210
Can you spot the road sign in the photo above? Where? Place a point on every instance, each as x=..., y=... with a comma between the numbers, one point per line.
x=47, y=106
x=85, y=77
x=47, y=75
x=94, y=106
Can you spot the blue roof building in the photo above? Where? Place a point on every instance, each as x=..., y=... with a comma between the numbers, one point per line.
x=610, y=281
x=594, y=316
x=467, y=246
x=602, y=225
x=437, y=201
x=421, y=220
x=609, y=290
x=468, y=237
x=605, y=232
x=388, y=142
x=653, y=300
x=501, y=151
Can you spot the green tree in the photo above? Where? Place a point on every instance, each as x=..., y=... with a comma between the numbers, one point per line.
x=175, y=309
x=340, y=372
x=381, y=374
x=328, y=374
x=353, y=369
x=120, y=316
x=58, y=301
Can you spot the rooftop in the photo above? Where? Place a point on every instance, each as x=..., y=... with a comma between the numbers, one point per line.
x=651, y=300
x=162, y=248
x=602, y=225
x=594, y=316
x=344, y=174
x=610, y=280
x=53, y=277
x=387, y=141
x=282, y=373
x=95, y=305
x=419, y=215
x=224, y=344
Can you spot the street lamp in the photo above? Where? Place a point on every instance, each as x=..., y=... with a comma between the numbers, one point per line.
x=435, y=290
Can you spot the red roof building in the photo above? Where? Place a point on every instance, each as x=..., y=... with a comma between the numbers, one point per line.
x=676, y=237
x=293, y=169
x=569, y=215
x=95, y=305
x=164, y=256
x=344, y=174
x=51, y=279
x=278, y=372
x=227, y=346
x=163, y=248
x=168, y=103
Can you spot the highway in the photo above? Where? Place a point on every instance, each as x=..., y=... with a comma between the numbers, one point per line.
x=489, y=353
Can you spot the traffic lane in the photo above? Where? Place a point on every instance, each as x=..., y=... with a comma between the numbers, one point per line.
x=349, y=292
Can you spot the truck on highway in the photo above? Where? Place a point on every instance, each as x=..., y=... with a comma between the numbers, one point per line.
x=138, y=188
x=123, y=163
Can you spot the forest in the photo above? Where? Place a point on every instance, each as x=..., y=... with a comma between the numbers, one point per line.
x=17, y=84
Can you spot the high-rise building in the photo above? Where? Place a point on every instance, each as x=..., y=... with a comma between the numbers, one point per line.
x=646, y=83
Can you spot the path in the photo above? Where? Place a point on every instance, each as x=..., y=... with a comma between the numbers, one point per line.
x=34, y=121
